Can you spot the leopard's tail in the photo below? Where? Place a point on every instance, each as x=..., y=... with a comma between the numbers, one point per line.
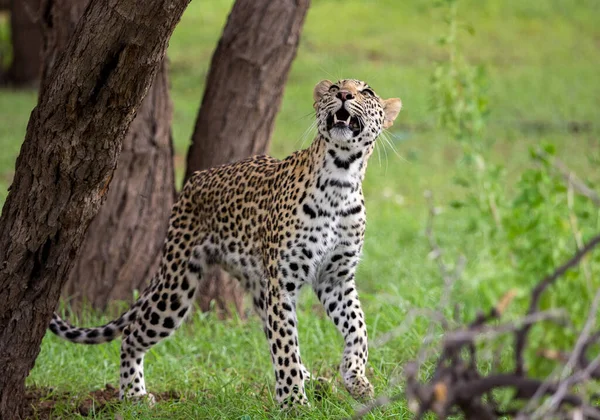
x=96, y=335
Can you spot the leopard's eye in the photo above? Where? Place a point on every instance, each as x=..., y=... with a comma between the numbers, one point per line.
x=368, y=92
x=334, y=88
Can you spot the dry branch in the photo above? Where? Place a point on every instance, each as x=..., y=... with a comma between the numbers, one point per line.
x=569, y=176
x=457, y=385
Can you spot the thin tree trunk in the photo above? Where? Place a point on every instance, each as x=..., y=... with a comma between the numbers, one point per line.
x=26, y=35
x=66, y=162
x=243, y=93
x=124, y=241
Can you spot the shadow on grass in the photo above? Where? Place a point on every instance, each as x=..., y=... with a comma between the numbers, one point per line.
x=44, y=403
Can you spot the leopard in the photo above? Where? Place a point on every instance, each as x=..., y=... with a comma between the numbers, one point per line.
x=276, y=226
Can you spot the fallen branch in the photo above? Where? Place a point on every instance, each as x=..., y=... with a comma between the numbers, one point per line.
x=457, y=386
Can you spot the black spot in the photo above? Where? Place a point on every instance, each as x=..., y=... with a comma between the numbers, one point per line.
x=340, y=184
x=108, y=332
x=168, y=323
x=345, y=164
x=305, y=268
x=162, y=305
x=290, y=287
x=93, y=334
x=351, y=210
x=154, y=318
x=294, y=266
x=307, y=252
x=71, y=335
x=309, y=211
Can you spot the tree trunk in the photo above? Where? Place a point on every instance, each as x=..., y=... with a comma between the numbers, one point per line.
x=58, y=20
x=123, y=243
x=66, y=162
x=243, y=93
x=26, y=34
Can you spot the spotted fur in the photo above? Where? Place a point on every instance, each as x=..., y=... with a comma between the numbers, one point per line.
x=276, y=226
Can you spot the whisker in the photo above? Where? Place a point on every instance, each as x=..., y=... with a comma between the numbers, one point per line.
x=302, y=138
x=386, y=136
x=387, y=160
x=328, y=74
x=304, y=116
x=378, y=153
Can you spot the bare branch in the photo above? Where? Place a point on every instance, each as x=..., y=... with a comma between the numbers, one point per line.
x=457, y=385
x=569, y=176
x=537, y=292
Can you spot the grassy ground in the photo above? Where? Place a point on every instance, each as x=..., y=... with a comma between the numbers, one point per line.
x=542, y=59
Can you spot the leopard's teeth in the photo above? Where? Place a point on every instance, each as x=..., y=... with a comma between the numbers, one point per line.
x=335, y=118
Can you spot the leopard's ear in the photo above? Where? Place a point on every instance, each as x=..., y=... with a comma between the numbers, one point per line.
x=391, y=109
x=320, y=89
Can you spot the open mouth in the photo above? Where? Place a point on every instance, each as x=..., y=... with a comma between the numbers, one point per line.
x=343, y=120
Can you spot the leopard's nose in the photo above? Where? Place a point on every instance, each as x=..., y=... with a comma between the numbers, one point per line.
x=344, y=95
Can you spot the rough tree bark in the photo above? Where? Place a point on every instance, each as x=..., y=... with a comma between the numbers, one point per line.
x=26, y=35
x=123, y=243
x=66, y=163
x=58, y=20
x=243, y=93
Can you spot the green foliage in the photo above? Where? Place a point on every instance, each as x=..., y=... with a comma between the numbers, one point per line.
x=526, y=65
x=525, y=230
x=5, y=42
x=458, y=89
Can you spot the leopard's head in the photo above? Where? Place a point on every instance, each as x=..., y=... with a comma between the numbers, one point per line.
x=350, y=114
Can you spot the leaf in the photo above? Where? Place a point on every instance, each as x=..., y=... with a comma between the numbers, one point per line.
x=463, y=182
x=457, y=204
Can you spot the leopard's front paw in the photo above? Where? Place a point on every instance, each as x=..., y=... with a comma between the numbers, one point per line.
x=359, y=387
x=294, y=402
x=295, y=398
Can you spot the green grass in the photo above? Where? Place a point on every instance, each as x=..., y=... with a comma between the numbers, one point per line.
x=542, y=60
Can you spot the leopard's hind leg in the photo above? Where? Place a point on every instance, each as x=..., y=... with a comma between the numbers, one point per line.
x=164, y=306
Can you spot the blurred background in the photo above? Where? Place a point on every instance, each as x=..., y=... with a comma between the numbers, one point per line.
x=493, y=92
x=539, y=85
